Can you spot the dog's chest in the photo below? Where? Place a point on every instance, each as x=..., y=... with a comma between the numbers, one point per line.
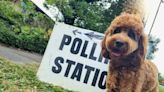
x=126, y=79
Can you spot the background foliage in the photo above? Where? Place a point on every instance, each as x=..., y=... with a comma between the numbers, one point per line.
x=24, y=26
x=89, y=14
x=153, y=42
x=161, y=79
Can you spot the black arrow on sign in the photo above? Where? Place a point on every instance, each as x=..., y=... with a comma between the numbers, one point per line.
x=92, y=35
x=76, y=31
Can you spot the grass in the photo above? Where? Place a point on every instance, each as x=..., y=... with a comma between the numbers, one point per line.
x=22, y=78
x=161, y=88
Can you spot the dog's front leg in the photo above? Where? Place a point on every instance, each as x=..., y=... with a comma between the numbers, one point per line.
x=111, y=83
x=140, y=77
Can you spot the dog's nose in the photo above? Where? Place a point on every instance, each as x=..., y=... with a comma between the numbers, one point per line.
x=119, y=44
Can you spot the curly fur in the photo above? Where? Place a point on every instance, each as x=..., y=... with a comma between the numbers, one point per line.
x=129, y=71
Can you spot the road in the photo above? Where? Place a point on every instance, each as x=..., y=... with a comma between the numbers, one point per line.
x=19, y=56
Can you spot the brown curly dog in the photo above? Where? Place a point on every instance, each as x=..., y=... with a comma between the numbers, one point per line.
x=125, y=44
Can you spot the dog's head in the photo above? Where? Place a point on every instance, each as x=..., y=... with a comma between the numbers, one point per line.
x=124, y=37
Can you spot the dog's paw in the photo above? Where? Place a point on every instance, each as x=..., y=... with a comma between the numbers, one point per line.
x=112, y=85
x=112, y=88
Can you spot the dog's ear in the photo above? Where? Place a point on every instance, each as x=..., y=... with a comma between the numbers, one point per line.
x=143, y=45
x=104, y=51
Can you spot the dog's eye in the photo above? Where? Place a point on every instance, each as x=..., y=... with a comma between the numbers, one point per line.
x=132, y=35
x=117, y=30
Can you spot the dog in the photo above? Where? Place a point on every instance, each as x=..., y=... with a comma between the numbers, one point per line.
x=125, y=44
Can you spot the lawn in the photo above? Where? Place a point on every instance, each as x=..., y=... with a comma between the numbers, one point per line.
x=22, y=78
x=161, y=88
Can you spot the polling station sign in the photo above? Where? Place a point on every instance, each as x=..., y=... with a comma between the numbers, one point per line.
x=73, y=60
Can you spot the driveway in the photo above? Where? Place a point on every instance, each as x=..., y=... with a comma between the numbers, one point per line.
x=19, y=56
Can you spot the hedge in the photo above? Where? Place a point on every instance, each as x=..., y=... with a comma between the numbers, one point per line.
x=25, y=30
x=35, y=41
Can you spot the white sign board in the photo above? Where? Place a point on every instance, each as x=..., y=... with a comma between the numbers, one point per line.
x=73, y=60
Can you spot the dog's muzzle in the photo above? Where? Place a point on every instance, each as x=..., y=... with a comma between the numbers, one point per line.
x=118, y=48
x=119, y=44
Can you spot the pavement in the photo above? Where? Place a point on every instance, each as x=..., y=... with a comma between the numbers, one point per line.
x=19, y=56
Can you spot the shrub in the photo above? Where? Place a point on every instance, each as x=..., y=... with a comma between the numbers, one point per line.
x=29, y=31
x=33, y=39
